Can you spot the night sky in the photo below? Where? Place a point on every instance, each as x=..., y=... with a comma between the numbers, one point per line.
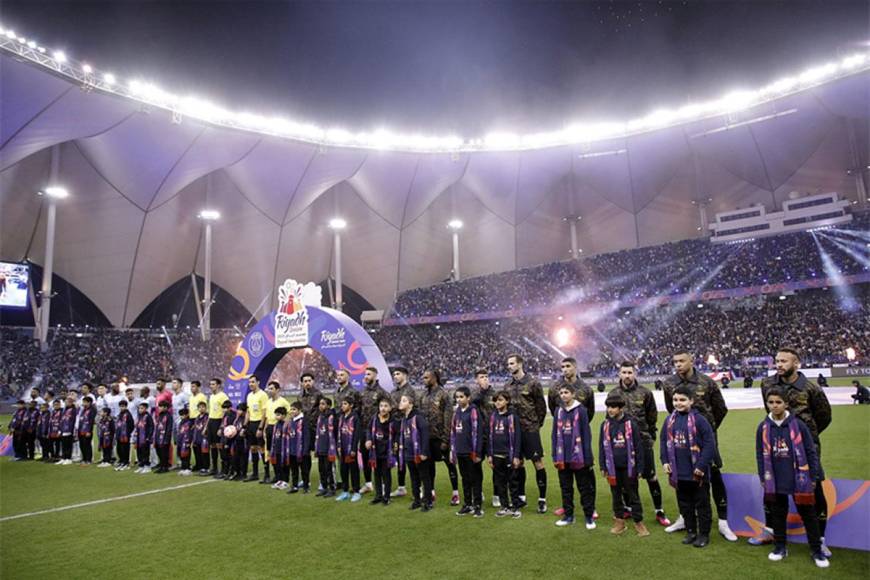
x=464, y=68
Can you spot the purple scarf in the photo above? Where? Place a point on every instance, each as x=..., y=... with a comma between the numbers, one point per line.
x=55, y=430
x=347, y=426
x=183, y=437
x=609, y=464
x=804, y=486
x=18, y=419
x=296, y=426
x=415, y=440
x=511, y=422
x=457, y=420
x=200, y=438
x=122, y=429
x=106, y=432
x=373, y=452
x=672, y=449
x=68, y=421
x=562, y=460
x=142, y=430
x=326, y=424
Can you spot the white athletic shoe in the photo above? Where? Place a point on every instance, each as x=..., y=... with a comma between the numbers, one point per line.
x=401, y=491
x=678, y=525
x=826, y=552
x=146, y=469
x=367, y=488
x=68, y=462
x=725, y=531
x=496, y=503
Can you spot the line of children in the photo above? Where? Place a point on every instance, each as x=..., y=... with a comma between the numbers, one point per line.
x=788, y=463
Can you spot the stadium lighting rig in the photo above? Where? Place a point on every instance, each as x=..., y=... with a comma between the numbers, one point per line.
x=572, y=133
x=55, y=192
x=209, y=215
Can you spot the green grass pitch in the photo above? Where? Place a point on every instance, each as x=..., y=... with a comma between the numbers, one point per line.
x=235, y=530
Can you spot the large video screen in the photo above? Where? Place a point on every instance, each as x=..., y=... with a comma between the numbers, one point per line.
x=14, y=280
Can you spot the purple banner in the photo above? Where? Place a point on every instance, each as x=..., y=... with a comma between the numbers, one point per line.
x=848, y=511
x=704, y=296
x=336, y=336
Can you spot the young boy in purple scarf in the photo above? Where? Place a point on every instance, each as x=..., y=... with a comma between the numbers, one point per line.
x=278, y=451
x=16, y=427
x=184, y=440
x=87, y=420
x=381, y=442
x=124, y=426
x=466, y=449
x=325, y=447
x=687, y=449
x=788, y=465
x=144, y=438
x=572, y=455
x=67, y=429
x=414, y=452
x=348, y=444
x=43, y=432
x=106, y=436
x=505, y=455
x=299, y=434
x=621, y=456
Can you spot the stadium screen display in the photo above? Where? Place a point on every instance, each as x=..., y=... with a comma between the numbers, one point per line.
x=14, y=281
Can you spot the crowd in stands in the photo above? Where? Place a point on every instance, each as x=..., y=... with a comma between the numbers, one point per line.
x=731, y=330
x=674, y=268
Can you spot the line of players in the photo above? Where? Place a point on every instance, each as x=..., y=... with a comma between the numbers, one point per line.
x=413, y=431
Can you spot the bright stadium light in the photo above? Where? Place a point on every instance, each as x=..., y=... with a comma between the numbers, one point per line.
x=209, y=215
x=574, y=132
x=455, y=224
x=563, y=337
x=56, y=192
x=851, y=354
x=337, y=223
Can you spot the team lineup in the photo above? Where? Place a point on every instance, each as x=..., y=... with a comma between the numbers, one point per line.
x=362, y=436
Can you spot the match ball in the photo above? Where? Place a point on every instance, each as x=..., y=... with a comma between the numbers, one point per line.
x=230, y=431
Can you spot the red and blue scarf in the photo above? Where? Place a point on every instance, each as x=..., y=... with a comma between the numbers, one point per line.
x=609, y=463
x=122, y=427
x=572, y=459
x=692, y=432
x=348, y=424
x=474, y=416
x=804, y=486
x=106, y=432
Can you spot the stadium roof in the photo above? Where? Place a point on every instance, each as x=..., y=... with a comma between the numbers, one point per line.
x=139, y=174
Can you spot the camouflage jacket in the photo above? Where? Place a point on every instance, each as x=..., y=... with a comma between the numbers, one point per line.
x=483, y=400
x=349, y=393
x=806, y=401
x=370, y=396
x=396, y=395
x=583, y=394
x=641, y=405
x=436, y=404
x=527, y=401
x=310, y=401
x=708, y=398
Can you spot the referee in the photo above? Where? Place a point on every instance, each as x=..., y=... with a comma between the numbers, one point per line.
x=255, y=425
x=215, y=414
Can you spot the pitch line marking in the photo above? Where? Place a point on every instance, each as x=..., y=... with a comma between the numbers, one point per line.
x=101, y=501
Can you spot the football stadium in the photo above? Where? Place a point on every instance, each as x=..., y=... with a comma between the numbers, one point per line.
x=416, y=290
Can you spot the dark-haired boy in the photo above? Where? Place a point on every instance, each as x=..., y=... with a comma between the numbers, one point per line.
x=16, y=428
x=67, y=429
x=144, y=438
x=223, y=442
x=30, y=429
x=54, y=431
x=240, y=445
x=505, y=455
x=163, y=435
x=124, y=429
x=466, y=449
x=572, y=456
x=184, y=440
x=279, y=445
x=688, y=448
x=414, y=452
x=43, y=432
x=86, y=421
x=299, y=449
x=106, y=436
x=381, y=443
x=621, y=456
x=348, y=446
x=325, y=447
x=200, y=439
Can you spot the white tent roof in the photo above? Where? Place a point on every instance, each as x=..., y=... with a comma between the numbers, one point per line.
x=138, y=180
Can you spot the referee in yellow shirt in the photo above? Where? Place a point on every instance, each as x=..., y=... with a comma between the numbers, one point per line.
x=273, y=390
x=196, y=397
x=255, y=424
x=215, y=415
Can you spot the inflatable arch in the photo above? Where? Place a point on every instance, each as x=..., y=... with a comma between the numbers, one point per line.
x=300, y=322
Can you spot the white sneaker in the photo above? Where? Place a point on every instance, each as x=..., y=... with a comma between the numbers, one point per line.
x=826, y=552
x=496, y=503
x=678, y=525
x=367, y=488
x=725, y=531
x=401, y=491
x=59, y=462
x=146, y=469
x=821, y=561
x=68, y=462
